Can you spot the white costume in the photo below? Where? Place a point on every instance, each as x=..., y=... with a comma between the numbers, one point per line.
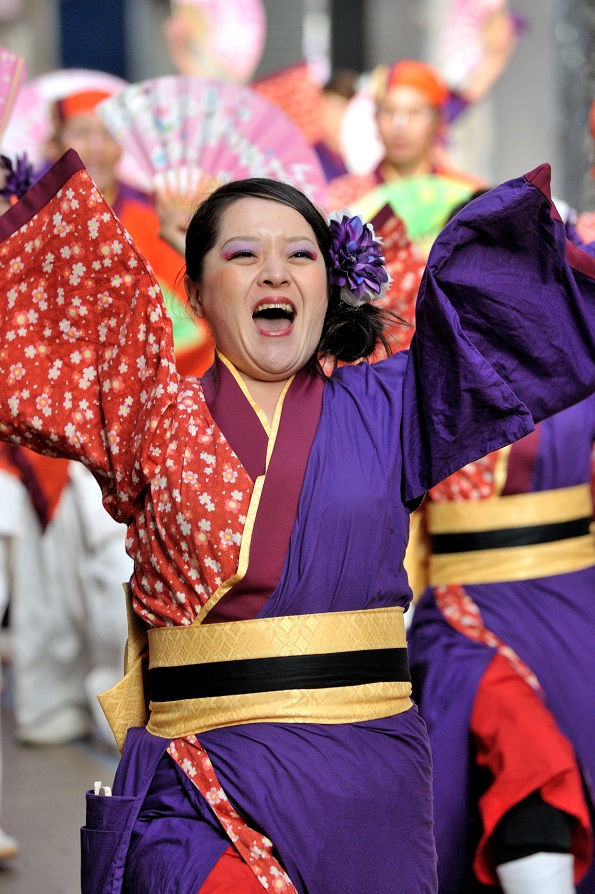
x=68, y=617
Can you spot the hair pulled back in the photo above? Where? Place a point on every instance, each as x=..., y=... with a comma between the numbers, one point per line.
x=348, y=333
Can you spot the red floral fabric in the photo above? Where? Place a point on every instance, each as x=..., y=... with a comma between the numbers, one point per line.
x=87, y=370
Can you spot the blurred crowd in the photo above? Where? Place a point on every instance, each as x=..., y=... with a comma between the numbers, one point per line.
x=513, y=791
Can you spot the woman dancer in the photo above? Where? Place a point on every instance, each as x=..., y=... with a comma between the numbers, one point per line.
x=266, y=504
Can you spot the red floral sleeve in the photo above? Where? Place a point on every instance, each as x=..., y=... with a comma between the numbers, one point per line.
x=87, y=368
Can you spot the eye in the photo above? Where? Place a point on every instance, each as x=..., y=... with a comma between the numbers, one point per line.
x=243, y=253
x=304, y=253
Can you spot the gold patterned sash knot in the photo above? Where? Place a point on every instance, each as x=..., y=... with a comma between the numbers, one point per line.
x=336, y=667
x=516, y=537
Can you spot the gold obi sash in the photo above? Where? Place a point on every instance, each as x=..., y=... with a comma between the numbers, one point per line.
x=336, y=667
x=517, y=537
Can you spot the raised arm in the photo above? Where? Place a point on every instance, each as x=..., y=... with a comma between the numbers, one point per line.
x=505, y=330
x=86, y=360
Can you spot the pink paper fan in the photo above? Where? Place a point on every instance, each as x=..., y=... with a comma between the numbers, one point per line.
x=12, y=75
x=184, y=130
x=31, y=125
x=460, y=45
x=227, y=36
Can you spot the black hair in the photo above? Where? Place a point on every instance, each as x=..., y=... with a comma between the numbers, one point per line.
x=342, y=82
x=349, y=333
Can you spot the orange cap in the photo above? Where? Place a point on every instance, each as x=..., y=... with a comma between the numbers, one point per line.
x=421, y=76
x=77, y=104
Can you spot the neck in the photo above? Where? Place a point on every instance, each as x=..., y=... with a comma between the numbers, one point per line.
x=265, y=394
x=414, y=168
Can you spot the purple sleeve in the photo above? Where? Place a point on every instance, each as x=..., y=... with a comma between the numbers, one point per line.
x=505, y=331
x=454, y=106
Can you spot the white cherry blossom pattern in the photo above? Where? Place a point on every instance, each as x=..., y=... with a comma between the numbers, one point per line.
x=464, y=615
x=88, y=372
x=475, y=481
x=254, y=847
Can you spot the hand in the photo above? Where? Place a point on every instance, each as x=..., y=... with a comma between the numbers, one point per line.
x=499, y=41
x=176, y=195
x=499, y=35
x=174, y=213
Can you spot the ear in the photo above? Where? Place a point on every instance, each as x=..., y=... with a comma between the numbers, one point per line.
x=194, y=299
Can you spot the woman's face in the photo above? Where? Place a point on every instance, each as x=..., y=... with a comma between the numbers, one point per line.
x=264, y=289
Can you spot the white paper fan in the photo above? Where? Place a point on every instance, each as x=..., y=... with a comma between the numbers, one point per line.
x=12, y=75
x=185, y=130
x=362, y=147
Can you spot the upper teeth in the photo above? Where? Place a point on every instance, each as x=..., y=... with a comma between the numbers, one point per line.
x=282, y=306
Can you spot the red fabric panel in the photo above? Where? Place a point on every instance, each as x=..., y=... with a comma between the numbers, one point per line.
x=518, y=741
x=230, y=875
x=44, y=477
x=51, y=477
x=295, y=92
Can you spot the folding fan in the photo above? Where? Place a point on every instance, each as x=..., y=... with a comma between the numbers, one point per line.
x=221, y=39
x=185, y=130
x=461, y=36
x=297, y=94
x=12, y=75
x=423, y=203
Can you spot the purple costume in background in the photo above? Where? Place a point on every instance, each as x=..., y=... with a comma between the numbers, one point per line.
x=504, y=337
x=332, y=163
x=548, y=621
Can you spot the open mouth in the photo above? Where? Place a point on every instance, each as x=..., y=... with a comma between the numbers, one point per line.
x=274, y=316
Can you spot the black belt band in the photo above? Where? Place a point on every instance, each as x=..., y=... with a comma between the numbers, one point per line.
x=504, y=537
x=220, y=678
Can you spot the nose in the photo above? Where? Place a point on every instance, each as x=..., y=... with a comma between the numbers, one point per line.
x=400, y=119
x=274, y=271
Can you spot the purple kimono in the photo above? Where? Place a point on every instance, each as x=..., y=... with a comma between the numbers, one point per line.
x=346, y=805
x=548, y=621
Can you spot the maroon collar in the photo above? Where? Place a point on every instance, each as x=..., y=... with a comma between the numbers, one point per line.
x=280, y=496
x=236, y=418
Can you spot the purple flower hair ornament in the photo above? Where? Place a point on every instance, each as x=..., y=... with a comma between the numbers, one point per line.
x=357, y=262
x=19, y=177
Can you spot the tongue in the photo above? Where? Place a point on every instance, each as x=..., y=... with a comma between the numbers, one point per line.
x=272, y=324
